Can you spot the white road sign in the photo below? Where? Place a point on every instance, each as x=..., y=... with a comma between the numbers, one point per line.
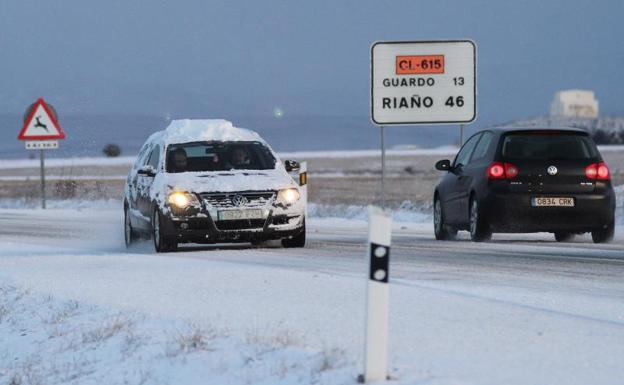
x=42, y=144
x=423, y=82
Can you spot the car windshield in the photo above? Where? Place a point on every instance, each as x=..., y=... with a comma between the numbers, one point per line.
x=548, y=146
x=219, y=156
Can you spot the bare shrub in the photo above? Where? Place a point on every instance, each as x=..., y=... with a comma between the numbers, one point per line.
x=331, y=359
x=106, y=331
x=274, y=339
x=65, y=188
x=197, y=339
x=111, y=150
x=4, y=313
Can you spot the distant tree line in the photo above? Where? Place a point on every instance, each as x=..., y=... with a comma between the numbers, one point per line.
x=608, y=137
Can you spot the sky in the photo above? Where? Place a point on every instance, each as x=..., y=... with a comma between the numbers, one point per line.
x=309, y=58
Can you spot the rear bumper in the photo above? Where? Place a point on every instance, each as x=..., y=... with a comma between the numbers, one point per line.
x=513, y=212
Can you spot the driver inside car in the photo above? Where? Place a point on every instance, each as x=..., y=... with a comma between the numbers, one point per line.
x=239, y=158
x=180, y=160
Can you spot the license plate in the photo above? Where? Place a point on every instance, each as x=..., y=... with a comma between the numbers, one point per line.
x=229, y=215
x=552, y=202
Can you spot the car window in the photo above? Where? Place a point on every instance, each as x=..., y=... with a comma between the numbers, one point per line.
x=548, y=146
x=154, y=157
x=465, y=152
x=142, y=157
x=219, y=156
x=482, y=147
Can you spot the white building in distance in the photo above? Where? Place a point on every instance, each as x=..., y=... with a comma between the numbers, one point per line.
x=575, y=104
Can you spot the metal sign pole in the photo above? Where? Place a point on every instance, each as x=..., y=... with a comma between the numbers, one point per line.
x=461, y=135
x=42, y=165
x=383, y=169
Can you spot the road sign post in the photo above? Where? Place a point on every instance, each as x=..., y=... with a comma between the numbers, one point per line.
x=41, y=131
x=378, y=295
x=42, y=167
x=303, y=183
x=412, y=83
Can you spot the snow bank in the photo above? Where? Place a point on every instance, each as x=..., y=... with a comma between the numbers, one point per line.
x=68, y=162
x=406, y=212
x=298, y=155
x=305, y=155
x=53, y=341
x=98, y=204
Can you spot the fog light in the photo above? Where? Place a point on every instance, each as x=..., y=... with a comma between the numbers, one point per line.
x=184, y=226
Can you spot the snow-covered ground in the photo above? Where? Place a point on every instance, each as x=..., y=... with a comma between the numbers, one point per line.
x=76, y=307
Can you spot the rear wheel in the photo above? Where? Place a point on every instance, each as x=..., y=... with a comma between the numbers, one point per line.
x=129, y=234
x=298, y=240
x=479, y=228
x=561, y=236
x=161, y=243
x=604, y=234
x=441, y=230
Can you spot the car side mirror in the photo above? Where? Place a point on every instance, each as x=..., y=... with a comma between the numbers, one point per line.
x=147, y=170
x=291, y=165
x=443, y=165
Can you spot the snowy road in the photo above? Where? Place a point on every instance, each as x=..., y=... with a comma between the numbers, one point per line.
x=521, y=309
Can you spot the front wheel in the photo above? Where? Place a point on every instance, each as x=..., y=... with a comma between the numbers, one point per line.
x=129, y=234
x=479, y=228
x=161, y=243
x=298, y=240
x=604, y=234
x=441, y=230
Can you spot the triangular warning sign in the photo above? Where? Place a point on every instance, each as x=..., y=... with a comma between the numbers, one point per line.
x=41, y=124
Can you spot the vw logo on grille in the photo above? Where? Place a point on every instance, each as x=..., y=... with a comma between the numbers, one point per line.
x=552, y=170
x=239, y=200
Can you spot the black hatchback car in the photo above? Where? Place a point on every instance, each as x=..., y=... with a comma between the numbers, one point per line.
x=519, y=180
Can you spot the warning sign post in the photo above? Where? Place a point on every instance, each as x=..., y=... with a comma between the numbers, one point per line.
x=41, y=131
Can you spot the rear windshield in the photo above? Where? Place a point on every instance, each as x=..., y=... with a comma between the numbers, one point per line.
x=219, y=156
x=548, y=146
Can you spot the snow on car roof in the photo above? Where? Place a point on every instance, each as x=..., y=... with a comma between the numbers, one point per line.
x=194, y=130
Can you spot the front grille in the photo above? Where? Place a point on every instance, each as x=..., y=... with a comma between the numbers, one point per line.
x=251, y=199
x=242, y=224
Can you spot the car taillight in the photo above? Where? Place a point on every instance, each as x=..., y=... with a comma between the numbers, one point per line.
x=511, y=170
x=498, y=170
x=598, y=171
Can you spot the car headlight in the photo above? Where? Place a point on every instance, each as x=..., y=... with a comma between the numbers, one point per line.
x=182, y=199
x=288, y=196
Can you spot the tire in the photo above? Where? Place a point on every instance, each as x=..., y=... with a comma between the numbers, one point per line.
x=479, y=228
x=297, y=241
x=561, y=236
x=161, y=243
x=130, y=235
x=441, y=230
x=604, y=234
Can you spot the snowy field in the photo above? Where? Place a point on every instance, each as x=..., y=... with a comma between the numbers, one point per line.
x=76, y=307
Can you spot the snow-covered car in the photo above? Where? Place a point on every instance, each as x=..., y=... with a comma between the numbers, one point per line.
x=206, y=181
